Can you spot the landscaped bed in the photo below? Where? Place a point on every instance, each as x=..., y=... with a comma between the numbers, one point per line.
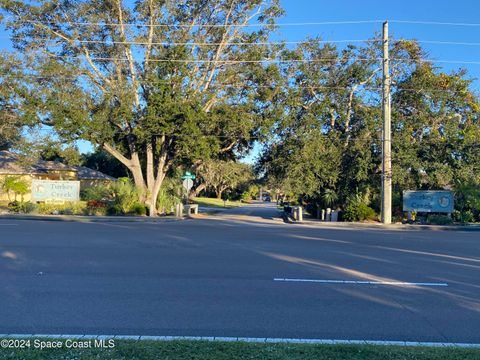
x=187, y=349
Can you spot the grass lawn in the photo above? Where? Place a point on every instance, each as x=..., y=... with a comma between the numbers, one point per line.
x=129, y=349
x=212, y=202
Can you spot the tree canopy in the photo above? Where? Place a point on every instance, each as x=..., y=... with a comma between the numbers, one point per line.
x=154, y=84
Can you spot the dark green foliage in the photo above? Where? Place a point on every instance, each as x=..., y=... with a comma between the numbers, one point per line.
x=170, y=195
x=326, y=141
x=22, y=207
x=437, y=219
x=357, y=209
x=104, y=162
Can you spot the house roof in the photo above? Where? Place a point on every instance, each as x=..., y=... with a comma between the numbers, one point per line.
x=85, y=173
x=10, y=165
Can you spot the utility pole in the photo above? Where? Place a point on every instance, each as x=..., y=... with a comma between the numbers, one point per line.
x=386, y=135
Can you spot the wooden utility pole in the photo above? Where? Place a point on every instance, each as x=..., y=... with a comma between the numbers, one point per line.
x=386, y=135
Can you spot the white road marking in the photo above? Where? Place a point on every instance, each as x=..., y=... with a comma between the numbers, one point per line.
x=362, y=282
x=243, y=339
x=8, y=224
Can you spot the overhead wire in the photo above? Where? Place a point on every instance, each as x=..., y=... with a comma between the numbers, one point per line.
x=207, y=25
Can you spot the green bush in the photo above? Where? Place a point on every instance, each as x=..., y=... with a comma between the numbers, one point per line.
x=251, y=193
x=68, y=208
x=169, y=196
x=98, y=192
x=357, y=210
x=439, y=219
x=114, y=209
x=139, y=209
x=467, y=217
x=22, y=207
x=120, y=198
x=125, y=196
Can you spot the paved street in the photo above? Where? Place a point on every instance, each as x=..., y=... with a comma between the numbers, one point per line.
x=215, y=277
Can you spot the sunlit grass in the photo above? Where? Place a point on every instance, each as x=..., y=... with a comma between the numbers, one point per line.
x=218, y=203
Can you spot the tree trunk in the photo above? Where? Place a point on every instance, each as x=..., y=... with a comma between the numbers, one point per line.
x=150, y=189
x=197, y=191
x=219, y=194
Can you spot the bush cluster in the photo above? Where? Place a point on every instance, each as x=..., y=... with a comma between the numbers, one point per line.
x=358, y=210
x=68, y=208
x=22, y=207
x=438, y=219
x=119, y=198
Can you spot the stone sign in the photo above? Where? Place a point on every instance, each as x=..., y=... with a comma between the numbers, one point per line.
x=48, y=190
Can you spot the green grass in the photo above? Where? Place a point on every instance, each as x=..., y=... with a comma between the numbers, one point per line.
x=218, y=203
x=126, y=349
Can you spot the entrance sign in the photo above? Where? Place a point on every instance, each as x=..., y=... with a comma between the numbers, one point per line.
x=428, y=201
x=49, y=190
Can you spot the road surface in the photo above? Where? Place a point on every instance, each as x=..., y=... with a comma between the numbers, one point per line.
x=215, y=277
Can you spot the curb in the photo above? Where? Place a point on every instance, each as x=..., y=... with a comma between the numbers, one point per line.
x=352, y=225
x=89, y=219
x=245, y=339
x=345, y=225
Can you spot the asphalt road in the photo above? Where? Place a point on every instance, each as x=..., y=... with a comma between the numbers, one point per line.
x=215, y=277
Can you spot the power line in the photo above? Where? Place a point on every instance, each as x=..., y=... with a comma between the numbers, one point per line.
x=167, y=43
x=346, y=22
x=270, y=60
x=420, y=22
x=220, y=62
x=440, y=42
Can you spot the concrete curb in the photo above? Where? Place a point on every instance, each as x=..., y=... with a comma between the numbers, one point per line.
x=90, y=219
x=244, y=339
x=352, y=225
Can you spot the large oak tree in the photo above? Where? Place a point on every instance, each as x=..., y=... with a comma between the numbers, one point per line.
x=155, y=82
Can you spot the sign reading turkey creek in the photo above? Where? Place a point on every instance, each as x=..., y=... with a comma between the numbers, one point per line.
x=43, y=190
x=428, y=201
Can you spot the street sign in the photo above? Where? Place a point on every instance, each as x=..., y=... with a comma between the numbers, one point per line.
x=188, y=175
x=187, y=184
x=428, y=201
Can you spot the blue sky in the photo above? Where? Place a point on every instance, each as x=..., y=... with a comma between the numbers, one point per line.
x=459, y=11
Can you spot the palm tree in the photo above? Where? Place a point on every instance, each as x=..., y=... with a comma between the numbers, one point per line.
x=329, y=197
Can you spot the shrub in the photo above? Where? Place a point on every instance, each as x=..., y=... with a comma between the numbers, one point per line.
x=22, y=207
x=467, y=217
x=125, y=196
x=439, y=219
x=114, y=209
x=357, y=210
x=121, y=197
x=68, y=208
x=169, y=196
x=98, y=192
x=139, y=209
x=251, y=193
